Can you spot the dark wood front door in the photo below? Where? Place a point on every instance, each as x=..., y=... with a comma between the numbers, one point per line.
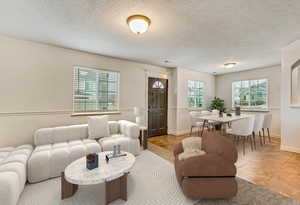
x=157, y=107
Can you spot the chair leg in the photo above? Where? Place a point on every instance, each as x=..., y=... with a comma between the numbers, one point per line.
x=254, y=142
x=250, y=139
x=238, y=139
x=260, y=138
x=264, y=136
x=244, y=141
x=269, y=135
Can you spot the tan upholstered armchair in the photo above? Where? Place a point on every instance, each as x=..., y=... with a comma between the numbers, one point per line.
x=211, y=175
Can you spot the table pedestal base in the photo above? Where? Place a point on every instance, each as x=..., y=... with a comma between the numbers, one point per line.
x=115, y=189
x=67, y=189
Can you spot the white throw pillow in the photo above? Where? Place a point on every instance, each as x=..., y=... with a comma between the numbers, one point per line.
x=98, y=127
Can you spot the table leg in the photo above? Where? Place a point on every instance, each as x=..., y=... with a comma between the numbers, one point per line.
x=204, y=124
x=116, y=189
x=67, y=189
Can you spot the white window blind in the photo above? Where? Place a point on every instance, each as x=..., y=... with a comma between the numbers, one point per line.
x=95, y=90
x=250, y=94
x=195, y=94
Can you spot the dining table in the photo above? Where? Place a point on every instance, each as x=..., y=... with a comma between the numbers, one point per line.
x=225, y=119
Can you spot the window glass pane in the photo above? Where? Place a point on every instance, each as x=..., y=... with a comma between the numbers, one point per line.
x=250, y=94
x=95, y=90
x=195, y=94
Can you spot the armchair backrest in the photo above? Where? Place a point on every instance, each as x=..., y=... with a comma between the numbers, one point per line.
x=267, y=121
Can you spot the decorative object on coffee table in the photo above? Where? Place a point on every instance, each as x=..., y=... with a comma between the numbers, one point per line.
x=114, y=174
x=92, y=161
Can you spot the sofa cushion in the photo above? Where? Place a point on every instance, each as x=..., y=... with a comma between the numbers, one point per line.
x=129, y=129
x=13, y=175
x=114, y=127
x=98, y=127
x=50, y=160
x=46, y=136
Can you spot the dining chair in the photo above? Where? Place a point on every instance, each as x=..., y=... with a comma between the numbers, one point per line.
x=210, y=123
x=267, y=125
x=195, y=121
x=242, y=128
x=258, y=126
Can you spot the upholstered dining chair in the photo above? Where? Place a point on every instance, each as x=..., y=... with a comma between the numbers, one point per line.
x=258, y=126
x=267, y=125
x=242, y=128
x=210, y=123
x=195, y=121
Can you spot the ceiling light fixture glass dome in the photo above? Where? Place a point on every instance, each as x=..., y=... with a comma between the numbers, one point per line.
x=230, y=64
x=138, y=24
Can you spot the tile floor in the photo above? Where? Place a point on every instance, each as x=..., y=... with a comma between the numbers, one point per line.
x=266, y=166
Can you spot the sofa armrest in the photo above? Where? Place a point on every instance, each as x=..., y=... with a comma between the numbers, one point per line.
x=178, y=149
x=9, y=188
x=129, y=129
x=207, y=165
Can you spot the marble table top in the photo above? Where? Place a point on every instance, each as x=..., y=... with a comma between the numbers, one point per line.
x=77, y=173
x=225, y=118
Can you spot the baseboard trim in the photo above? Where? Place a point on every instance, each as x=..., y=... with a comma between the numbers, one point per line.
x=290, y=148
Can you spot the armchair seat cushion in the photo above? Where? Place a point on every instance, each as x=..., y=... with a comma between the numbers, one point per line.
x=206, y=165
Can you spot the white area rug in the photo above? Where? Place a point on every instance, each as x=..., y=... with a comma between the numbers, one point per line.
x=152, y=181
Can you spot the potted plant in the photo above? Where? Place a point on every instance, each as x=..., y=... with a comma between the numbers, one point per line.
x=218, y=104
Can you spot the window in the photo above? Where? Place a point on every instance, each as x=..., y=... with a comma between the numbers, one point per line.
x=158, y=84
x=250, y=94
x=95, y=90
x=195, y=94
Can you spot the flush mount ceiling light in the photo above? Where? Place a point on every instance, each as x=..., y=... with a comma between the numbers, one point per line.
x=138, y=23
x=230, y=64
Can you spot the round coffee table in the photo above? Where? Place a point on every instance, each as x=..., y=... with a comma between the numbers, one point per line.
x=113, y=174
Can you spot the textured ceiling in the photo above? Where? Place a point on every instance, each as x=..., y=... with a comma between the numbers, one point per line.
x=194, y=34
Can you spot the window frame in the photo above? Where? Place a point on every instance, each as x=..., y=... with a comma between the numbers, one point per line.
x=95, y=112
x=251, y=108
x=203, y=95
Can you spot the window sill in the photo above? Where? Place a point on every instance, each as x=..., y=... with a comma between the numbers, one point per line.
x=254, y=110
x=195, y=109
x=95, y=113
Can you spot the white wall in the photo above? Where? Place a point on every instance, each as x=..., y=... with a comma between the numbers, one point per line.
x=36, y=87
x=290, y=115
x=182, y=77
x=224, y=83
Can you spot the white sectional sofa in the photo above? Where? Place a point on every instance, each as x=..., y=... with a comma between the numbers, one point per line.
x=13, y=172
x=57, y=147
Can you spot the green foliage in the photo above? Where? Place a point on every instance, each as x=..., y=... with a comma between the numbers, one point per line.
x=217, y=104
